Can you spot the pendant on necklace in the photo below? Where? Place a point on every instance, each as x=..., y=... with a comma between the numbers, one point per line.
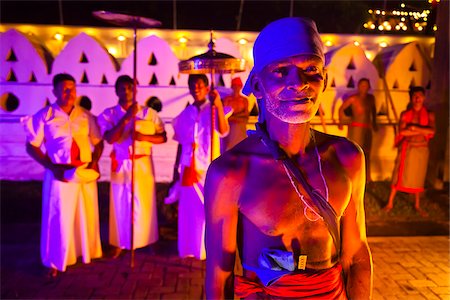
x=310, y=214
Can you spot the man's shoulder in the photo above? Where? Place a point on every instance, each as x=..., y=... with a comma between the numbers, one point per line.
x=343, y=147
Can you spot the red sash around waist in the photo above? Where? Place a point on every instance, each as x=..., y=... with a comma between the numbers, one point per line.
x=318, y=284
x=357, y=124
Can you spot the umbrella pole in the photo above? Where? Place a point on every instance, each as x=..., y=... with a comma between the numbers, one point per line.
x=133, y=149
x=213, y=119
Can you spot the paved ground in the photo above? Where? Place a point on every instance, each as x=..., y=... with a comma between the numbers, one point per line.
x=415, y=267
x=404, y=267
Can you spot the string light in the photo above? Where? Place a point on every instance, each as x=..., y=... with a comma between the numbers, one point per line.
x=242, y=41
x=183, y=40
x=58, y=36
x=402, y=18
x=121, y=38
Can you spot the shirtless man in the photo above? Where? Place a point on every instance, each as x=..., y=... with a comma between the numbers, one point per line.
x=364, y=119
x=288, y=246
x=238, y=120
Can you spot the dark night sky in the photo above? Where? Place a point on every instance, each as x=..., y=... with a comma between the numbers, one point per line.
x=330, y=16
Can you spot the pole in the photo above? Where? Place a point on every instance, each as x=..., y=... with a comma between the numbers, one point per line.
x=213, y=118
x=133, y=148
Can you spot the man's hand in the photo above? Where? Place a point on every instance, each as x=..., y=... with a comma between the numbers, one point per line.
x=58, y=171
x=132, y=111
x=214, y=97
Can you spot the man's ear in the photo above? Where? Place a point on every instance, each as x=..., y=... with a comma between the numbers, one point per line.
x=325, y=81
x=256, y=87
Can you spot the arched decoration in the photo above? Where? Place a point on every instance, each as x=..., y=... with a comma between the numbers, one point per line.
x=11, y=56
x=32, y=77
x=351, y=83
x=84, y=78
x=11, y=76
x=9, y=102
x=104, y=79
x=83, y=57
x=333, y=83
x=152, y=50
x=154, y=103
x=85, y=102
x=221, y=82
x=154, y=80
x=351, y=64
x=395, y=85
x=152, y=61
x=20, y=56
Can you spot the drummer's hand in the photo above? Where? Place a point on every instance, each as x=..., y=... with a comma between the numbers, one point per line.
x=214, y=97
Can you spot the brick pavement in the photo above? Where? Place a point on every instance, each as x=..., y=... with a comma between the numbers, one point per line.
x=405, y=268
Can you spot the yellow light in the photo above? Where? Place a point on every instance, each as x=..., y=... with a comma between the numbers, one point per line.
x=377, y=11
x=112, y=51
x=430, y=1
x=383, y=44
x=402, y=5
x=356, y=43
x=58, y=37
x=369, y=55
x=370, y=11
x=416, y=25
x=425, y=19
x=397, y=27
x=383, y=12
x=242, y=41
x=385, y=23
x=328, y=43
x=402, y=19
x=366, y=25
x=420, y=28
x=405, y=28
x=389, y=27
x=380, y=27
x=434, y=28
x=372, y=26
x=183, y=40
x=121, y=38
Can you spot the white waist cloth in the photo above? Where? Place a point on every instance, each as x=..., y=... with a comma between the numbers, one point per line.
x=145, y=210
x=191, y=221
x=70, y=222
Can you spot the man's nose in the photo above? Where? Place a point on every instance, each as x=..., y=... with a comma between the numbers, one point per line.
x=297, y=81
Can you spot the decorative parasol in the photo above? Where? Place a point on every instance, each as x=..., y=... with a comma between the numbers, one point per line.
x=212, y=62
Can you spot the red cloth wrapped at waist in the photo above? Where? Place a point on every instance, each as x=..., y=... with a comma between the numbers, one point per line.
x=318, y=284
x=363, y=125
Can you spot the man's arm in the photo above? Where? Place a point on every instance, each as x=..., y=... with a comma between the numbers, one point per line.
x=39, y=156
x=356, y=258
x=221, y=211
x=222, y=122
x=158, y=138
x=96, y=154
x=373, y=111
x=342, y=116
x=115, y=133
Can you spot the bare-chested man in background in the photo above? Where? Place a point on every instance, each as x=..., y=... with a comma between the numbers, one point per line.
x=294, y=239
x=363, y=119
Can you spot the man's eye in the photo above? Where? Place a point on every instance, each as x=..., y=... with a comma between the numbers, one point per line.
x=312, y=70
x=280, y=71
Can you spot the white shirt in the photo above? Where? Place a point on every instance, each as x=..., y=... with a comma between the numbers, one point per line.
x=147, y=122
x=56, y=129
